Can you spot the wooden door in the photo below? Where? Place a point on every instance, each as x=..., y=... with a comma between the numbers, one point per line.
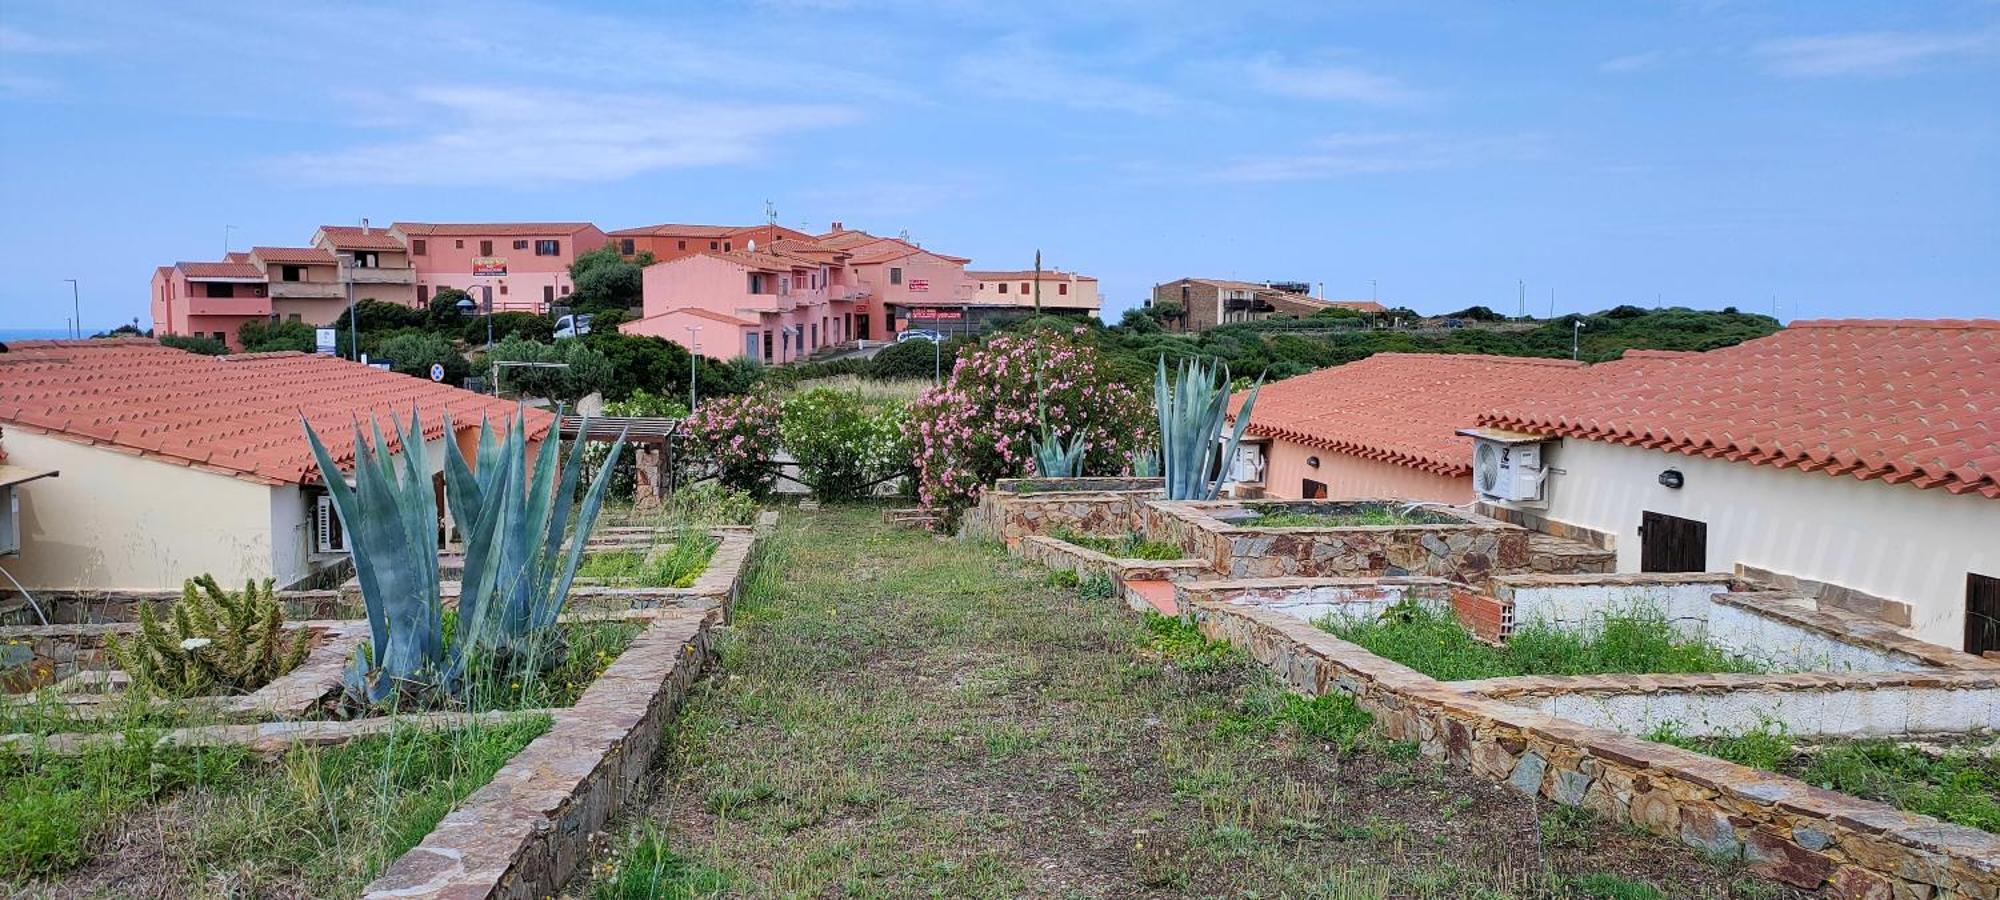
x=1982, y=613
x=1672, y=544
x=1312, y=490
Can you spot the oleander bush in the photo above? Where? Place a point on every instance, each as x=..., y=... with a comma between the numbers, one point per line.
x=843, y=444
x=740, y=435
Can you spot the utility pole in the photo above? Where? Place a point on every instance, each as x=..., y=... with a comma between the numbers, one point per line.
x=226, y=229
x=1521, y=298
x=1576, y=339
x=346, y=261
x=694, y=341
x=76, y=309
x=1552, y=303
x=1374, y=295
x=1038, y=282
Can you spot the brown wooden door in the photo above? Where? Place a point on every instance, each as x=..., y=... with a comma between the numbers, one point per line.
x=1982, y=613
x=1672, y=544
x=1312, y=490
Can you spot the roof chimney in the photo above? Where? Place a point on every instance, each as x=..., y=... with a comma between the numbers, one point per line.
x=364, y=225
x=839, y=227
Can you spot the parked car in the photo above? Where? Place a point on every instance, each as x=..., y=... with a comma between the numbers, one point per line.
x=919, y=334
x=573, y=326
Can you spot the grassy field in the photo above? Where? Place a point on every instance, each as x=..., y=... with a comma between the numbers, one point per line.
x=1433, y=642
x=901, y=715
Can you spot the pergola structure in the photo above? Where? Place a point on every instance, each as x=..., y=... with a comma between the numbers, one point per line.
x=653, y=439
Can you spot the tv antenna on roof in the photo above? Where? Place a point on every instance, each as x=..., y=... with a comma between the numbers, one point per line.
x=770, y=213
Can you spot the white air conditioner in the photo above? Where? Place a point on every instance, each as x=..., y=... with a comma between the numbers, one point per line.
x=331, y=538
x=1503, y=470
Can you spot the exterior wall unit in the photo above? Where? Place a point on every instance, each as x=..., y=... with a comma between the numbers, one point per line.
x=1892, y=541
x=1349, y=477
x=117, y=520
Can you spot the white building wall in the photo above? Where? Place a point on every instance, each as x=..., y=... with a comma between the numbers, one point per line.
x=117, y=520
x=1893, y=541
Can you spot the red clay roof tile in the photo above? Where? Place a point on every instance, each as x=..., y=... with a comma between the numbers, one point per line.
x=1404, y=408
x=1908, y=401
x=234, y=414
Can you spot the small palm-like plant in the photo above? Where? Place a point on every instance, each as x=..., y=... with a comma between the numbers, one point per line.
x=215, y=642
x=1193, y=411
x=524, y=537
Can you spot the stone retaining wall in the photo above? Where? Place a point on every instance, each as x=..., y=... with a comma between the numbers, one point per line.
x=1310, y=599
x=1468, y=551
x=1779, y=826
x=99, y=607
x=1054, y=553
x=1805, y=705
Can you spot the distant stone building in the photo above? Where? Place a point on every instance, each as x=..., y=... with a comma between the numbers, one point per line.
x=1207, y=302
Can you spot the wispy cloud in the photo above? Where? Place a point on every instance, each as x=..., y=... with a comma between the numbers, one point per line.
x=1869, y=53
x=1329, y=81
x=1376, y=153
x=1016, y=68
x=491, y=135
x=28, y=87
x=1634, y=62
x=14, y=40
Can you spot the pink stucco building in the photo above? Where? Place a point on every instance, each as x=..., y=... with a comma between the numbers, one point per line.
x=774, y=304
x=518, y=266
x=209, y=299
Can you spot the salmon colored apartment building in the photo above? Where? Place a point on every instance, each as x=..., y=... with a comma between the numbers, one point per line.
x=506, y=267
x=671, y=242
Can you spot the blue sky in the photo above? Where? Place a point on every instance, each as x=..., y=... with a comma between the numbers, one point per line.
x=1843, y=158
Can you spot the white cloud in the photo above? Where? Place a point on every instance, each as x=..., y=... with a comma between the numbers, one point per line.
x=1868, y=53
x=492, y=135
x=1014, y=68
x=1375, y=153
x=1329, y=82
x=1636, y=62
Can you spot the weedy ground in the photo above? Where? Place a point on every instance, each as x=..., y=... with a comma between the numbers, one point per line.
x=1432, y=641
x=898, y=715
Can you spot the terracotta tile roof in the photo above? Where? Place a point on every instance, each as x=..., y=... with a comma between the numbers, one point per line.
x=1907, y=401
x=201, y=270
x=703, y=313
x=758, y=260
x=1027, y=275
x=512, y=229
x=1404, y=408
x=672, y=230
x=351, y=237
x=894, y=251
x=847, y=240
x=235, y=415
x=1367, y=306
x=313, y=255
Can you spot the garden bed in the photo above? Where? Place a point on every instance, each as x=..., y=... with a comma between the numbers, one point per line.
x=1130, y=545
x=1432, y=640
x=676, y=564
x=1955, y=778
x=1338, y=515
x=1428, y=541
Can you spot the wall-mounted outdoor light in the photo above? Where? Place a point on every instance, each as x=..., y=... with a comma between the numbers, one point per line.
x=1672, y=479
x=1312, y=461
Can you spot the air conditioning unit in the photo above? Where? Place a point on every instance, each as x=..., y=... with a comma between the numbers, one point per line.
x=1503, y=470
x=330, y=537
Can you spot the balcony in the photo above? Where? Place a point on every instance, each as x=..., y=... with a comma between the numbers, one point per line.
x=307, y=290
x=229, y=306
x=383, y=275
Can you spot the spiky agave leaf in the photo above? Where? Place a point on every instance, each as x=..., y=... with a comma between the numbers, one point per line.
x=1192, y=414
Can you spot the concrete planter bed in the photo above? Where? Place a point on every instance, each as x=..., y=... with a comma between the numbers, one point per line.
x=522, y=832
x=1575, y=740
x=1457, y=545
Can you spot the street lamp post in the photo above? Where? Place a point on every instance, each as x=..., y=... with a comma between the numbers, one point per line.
x=1575, y=339
x=694, y=343
x=75, y=308
x=353, y=331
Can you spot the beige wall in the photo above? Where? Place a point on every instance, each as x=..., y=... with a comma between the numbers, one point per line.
x=1893, y=541
x=114, y=520
x=1349, y=477
x=1082, y=294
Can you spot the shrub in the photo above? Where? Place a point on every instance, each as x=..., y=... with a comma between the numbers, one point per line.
x=916, y=359
x=264, y=337
x=981, y=424
x=219, y=642
x=586, y=371
x=195, y=343
x=842, y=444
x=414, y=352
x=740, y=435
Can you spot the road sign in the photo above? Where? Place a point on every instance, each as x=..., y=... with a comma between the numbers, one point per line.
x=437, y=371
x=324, y=341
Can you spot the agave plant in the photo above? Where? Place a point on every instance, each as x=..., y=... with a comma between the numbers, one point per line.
x=1192, y=413
x=1057, y=458
x=521, y=554
x=1146, y=462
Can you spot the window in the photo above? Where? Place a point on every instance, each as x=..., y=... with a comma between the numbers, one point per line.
x=1003, y=287
x=750, y=345
x=714, y=245
x=767, y=345
x=895, y=275
x=503, y=290
x=728, y=245
x=1025, y=289
x=424, y=293
x=625, y=246
x=814, y=331
x=367, y=259
x=293, y=273
x=1312, y=490
x=1982, y=613
x=548, y=248
x=218, y=289
x=756, y=283
x=291, y=317
x=565, y=290
x=459, y=245
x=522, y=245
x=419, y=247
x=683, y=245
x=1062, y=289
x=548, y=293
x=485, y=248
x=784, y=285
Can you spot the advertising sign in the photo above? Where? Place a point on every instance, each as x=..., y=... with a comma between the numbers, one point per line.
x=920, y=284
x=489, y=265
x=928, y=314
x=324, y=341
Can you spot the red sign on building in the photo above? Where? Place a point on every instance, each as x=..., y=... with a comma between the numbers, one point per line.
x=920, y=284
x=929, y=314
x=489, y=265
